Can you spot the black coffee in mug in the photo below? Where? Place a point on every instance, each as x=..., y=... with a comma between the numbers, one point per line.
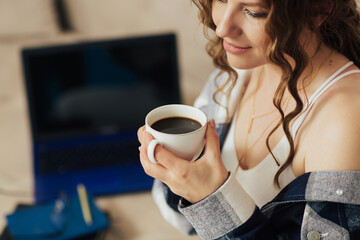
x=176, y=125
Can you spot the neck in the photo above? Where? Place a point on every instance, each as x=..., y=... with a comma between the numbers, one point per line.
x=272, y=73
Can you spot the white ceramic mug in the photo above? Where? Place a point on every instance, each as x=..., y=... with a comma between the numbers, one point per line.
x=185, y=145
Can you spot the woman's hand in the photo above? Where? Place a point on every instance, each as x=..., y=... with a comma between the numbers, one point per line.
x=193, y=180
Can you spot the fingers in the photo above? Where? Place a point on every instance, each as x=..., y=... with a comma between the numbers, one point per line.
x=151, y=169
x=170, y=160
x=163, y=156
x=140, y=134
x=154, y=170
x=166, y=159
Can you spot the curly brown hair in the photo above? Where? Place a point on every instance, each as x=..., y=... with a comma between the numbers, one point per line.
x=340, y=31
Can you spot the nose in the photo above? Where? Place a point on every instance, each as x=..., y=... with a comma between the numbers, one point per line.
x=228, y=23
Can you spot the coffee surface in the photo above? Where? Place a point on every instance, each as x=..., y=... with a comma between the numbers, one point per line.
x=176, y=125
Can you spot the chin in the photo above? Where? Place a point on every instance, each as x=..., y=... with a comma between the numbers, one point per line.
x=243, y=66
x=243, y=62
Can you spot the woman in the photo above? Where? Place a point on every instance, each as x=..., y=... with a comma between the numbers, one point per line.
x=286, y=102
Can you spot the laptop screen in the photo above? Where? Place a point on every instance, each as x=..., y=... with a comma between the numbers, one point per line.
x=99, y=87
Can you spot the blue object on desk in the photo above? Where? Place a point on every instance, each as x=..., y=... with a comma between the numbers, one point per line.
x=58, y=220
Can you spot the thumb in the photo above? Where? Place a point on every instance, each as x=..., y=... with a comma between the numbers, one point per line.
x=212, y=139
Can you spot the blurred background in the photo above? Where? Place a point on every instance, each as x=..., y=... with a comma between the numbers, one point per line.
x=27, y=23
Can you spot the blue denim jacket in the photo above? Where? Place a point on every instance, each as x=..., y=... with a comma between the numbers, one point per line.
x=316, y=205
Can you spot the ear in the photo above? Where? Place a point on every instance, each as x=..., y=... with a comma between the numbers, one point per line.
x=322, y=10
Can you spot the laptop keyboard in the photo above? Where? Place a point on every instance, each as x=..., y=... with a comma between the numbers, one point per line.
x=88, y=156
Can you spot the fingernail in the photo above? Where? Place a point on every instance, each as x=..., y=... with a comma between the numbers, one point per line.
x=212, y=123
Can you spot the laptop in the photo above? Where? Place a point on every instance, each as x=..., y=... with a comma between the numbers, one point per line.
x=86, y=101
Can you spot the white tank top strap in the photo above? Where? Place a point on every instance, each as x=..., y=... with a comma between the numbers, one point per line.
x=324, y=86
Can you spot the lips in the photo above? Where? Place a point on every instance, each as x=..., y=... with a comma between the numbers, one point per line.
x=233, y=49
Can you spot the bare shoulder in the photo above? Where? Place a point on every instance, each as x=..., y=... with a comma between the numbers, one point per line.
x=334, y=131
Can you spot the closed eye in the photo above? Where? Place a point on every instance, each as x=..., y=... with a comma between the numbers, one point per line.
x=256, y=14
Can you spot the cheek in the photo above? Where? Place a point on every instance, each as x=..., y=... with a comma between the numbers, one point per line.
x=258, y=36
x=265, y=43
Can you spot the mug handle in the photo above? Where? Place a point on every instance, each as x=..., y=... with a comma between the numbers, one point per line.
x=151, y=149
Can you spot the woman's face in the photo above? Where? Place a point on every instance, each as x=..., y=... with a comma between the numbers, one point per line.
x=241, y=25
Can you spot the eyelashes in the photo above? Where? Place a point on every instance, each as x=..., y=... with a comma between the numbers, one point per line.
x=256, y=14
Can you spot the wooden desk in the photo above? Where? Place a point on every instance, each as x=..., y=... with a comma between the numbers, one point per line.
x=135, y=216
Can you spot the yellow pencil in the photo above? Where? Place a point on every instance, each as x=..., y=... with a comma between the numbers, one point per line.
x=84, y=203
